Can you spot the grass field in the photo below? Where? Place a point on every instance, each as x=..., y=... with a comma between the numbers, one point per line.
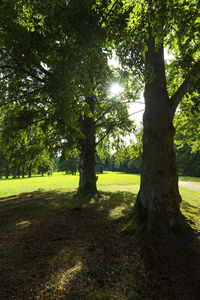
x=56, y=245
x=108, y=181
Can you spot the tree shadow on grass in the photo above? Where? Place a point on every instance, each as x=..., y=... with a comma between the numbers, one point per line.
x=57, y=245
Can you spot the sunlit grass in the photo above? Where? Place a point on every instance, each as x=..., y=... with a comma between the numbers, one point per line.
x=108, y=181
x=190, y=206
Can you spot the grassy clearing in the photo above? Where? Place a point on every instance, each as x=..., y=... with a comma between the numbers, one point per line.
x=107, y=181
x=55, y=245
x=23, y=185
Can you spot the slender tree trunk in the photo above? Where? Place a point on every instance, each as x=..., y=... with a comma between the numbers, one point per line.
x=23, y=171
x=7, y=170
x=87, y=179
x=30, y=170
x=18, y=171
x=15, y=172
x=158, y=201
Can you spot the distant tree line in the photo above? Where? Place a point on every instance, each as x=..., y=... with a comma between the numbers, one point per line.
x=19, y=164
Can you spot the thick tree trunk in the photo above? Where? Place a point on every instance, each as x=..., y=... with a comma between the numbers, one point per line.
x=87, y=179
x=158, y=201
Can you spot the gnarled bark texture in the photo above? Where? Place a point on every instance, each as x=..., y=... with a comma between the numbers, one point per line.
x=87, y=179
x=158, y=201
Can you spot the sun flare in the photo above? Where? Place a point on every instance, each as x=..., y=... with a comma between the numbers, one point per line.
x=116, y=89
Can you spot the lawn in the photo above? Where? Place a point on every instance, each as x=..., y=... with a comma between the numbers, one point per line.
x=56, y=245
x=108, y=181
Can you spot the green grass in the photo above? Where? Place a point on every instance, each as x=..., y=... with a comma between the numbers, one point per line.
x=190, y=207
x=109, y=181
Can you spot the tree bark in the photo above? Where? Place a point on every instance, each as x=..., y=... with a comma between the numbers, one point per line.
x=158, y=201
x=87, y=177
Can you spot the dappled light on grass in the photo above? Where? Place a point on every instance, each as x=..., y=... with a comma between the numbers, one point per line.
x=23, y=224
x=58, y=283
x=69, y=275
x=117, y=212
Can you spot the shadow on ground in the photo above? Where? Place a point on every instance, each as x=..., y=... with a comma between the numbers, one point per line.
x=55, y=245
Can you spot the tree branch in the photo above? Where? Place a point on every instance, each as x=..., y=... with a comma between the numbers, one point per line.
x=114, y=124
x=178, y=95
x=110, y=107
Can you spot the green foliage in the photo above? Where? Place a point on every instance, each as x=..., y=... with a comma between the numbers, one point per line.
x=69, y=165
x=42, y=82
x=129, y=158
x=99, y=168
x=187, y=122
x=188, y=161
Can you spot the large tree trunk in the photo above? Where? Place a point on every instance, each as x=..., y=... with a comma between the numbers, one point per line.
x=158, y=201
x=87, y=179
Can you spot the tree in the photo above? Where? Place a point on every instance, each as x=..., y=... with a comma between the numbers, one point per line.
x=63, y=89
x=128, y=158
x=24, y=144
x=141, y=31
x=45, y=163
x=187, y=121
x=187, y=138
x=69, y=165
x=188, y=162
